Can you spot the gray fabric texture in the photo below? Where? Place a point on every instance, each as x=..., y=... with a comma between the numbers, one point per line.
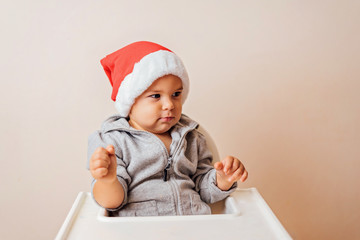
x=141, y=160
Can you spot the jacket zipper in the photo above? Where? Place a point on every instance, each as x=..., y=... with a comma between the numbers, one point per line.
x=168, y=165
x=166, y=169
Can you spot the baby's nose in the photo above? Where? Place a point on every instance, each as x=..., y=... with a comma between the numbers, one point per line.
x=168, y=104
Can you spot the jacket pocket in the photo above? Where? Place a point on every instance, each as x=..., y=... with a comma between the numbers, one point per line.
x=144, y=208
x=198, y=207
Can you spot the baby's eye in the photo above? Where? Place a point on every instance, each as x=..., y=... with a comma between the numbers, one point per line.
x=155, y=96
x=176, y=94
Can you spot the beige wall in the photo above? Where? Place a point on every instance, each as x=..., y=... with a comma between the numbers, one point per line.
x=276, y=83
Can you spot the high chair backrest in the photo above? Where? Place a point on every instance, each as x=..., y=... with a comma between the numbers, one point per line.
x=211, y=144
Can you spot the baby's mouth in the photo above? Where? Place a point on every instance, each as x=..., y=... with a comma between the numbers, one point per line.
x=166, y=119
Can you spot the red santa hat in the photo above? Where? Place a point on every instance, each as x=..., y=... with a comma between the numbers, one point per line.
x=133, y=68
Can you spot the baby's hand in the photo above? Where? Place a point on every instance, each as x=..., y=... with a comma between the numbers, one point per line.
x=228, y=171
x=103, y=164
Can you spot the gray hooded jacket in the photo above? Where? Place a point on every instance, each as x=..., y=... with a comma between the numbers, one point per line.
x=156, y=182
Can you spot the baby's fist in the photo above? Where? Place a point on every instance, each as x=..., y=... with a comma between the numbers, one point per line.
x=103, y=163
x=228, y=171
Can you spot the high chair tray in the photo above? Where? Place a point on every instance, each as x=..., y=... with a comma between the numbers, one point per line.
x=243, y=215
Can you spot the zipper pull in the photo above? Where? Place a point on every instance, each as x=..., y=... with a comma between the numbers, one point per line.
x=165, y=178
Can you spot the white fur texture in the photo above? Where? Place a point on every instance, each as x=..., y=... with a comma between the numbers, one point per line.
x=145, y=72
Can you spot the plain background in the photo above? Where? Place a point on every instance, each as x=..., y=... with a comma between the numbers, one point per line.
x=275, y=83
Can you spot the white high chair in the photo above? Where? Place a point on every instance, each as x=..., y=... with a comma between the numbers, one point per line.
x=243, y=215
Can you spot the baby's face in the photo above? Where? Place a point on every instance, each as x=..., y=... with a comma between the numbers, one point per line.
x=158, y=108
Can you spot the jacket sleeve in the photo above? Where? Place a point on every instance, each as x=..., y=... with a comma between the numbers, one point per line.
x=98, y=139
x=205, y=176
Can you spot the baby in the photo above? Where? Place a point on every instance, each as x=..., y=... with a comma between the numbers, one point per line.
x=150, y=160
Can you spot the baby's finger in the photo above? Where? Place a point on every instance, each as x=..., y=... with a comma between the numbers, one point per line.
x=100, y=172
x=100, y=150
x=236, y=165
x=100, y=164
x=100, y=154
x=244, y=176
x=110, y=149
x=228, y=162
x=238, y=173
x=218, y=166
